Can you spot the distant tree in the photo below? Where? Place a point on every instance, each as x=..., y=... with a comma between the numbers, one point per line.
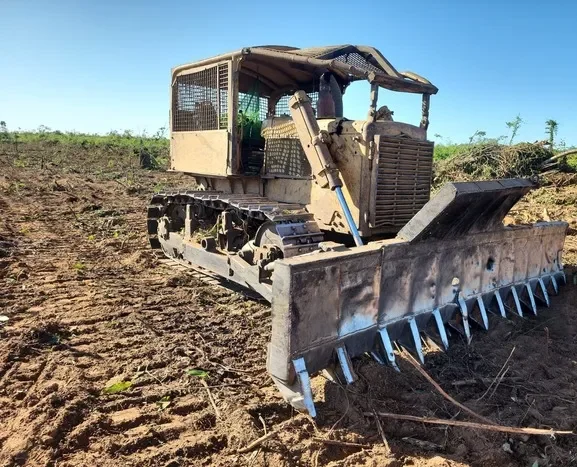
x=514, y=126
x=480, y=135
x=551, y=127
x=4, y=136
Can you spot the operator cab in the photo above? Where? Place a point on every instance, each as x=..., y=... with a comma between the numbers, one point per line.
x=224, y=107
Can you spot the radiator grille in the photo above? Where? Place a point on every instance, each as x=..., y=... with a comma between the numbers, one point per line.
x=402, y=182
x=200, y=100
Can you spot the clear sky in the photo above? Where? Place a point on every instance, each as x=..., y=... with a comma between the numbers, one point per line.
x=99, y=65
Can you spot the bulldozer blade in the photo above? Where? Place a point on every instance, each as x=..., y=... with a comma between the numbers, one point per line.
x=330, y=307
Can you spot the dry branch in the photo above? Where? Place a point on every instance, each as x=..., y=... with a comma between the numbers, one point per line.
x=257, y=442
x=345, y=444
x=499, y=376
x=211, y=399
x=480, y=426
x=473, y=381
x=413, y=362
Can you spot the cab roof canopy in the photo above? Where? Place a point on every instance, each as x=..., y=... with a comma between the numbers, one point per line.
x=283, y=69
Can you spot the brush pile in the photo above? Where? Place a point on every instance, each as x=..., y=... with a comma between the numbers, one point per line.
x=486, y=161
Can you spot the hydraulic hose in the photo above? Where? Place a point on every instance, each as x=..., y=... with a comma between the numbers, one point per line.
x=349, y=217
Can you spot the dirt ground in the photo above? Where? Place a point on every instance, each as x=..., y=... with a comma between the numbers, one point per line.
x=89, y=306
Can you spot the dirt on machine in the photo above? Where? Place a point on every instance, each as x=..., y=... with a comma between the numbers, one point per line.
x=331, y=219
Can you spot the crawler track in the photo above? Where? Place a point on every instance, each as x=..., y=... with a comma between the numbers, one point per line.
x=250, y=208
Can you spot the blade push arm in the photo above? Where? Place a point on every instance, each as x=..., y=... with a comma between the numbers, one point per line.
x=314, y=142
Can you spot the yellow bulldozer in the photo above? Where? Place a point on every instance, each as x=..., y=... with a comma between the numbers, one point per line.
x=330, y=219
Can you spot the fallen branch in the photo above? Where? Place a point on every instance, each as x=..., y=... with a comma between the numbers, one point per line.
x=147, y=325
x=473, y=381
x=500, y=374
x=562, y=154
x=257, y=442
x=480, y=426
x=345, y=444
x=498, y=382
x=421, y=370
x=211, y=399
x=382, y=433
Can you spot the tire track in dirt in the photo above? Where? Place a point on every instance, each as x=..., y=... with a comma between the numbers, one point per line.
x=113, y=320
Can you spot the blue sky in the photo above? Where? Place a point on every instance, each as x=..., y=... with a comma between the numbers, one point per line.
x=95, y=66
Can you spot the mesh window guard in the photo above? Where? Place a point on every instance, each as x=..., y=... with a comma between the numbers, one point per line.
x=282, y=107
x=200, y=100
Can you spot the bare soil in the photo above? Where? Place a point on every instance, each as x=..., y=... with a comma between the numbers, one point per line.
x=88, y=306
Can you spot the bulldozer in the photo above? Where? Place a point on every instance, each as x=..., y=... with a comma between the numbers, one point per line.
x=331, y=220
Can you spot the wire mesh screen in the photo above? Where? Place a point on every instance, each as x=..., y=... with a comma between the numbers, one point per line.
x=200, y=100
x=357, y=60
x=282, y=107
x=223, y=96
x=253, y=105
x=283, y=149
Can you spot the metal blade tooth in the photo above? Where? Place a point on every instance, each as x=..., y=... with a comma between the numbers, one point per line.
x=531, y=298
x=555, y=285
x=305, y=383
x=544, y=291
x=346, y=364
x=377, y=358
x=441, y=328
x=388, y=346
x=517, y=301
x=564, y=276
x=483, y=312
x=500, y=303
x=465, y=315
x=416, y=339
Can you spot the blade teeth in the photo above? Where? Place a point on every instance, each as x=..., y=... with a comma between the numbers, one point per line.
x=346, y=365
x=388, y=346
x=305, y=383
x=555, y=285
x=544, y=291
x=531, y=298
x=345, y=361
x=500, y=303
x=417, y=339
x=377, y=358
x=517, y=301
x=483, y=312
x=465, y=315
x=441, y=328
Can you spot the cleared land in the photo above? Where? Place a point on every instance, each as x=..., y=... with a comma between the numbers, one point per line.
x=88, y=306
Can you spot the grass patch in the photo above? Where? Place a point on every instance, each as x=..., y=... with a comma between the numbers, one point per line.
x=110, y=154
